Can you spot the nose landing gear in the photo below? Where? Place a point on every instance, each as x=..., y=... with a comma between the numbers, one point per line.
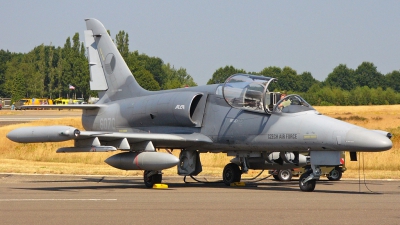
x=309, y=179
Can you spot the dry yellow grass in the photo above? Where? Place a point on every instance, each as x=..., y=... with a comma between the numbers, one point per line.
x=41, y=157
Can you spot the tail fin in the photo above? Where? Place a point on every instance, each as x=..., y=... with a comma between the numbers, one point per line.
x=108, y=70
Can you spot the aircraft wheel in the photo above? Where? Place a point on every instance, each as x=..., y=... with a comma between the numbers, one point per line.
x=231, y=174
x=285, y=175
x=335, y=174
x=309, y=186
x=149, y=181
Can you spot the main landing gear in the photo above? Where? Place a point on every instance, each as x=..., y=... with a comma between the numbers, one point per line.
x=151, y=177
x=231, y=174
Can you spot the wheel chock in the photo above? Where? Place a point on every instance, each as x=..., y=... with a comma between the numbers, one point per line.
x=160, y=186
x=238, y=184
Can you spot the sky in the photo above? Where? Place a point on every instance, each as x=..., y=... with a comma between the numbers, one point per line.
x=202, y=36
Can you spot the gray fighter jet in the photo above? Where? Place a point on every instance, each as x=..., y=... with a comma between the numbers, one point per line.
x=240, y=117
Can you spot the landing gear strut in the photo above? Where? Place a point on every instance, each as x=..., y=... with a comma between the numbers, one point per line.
x=151, y=177
x=231, y=174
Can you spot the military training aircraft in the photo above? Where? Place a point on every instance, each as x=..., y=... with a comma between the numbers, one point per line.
x=240, y=117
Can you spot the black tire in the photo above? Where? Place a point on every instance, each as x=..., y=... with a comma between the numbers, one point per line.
x=231, y=174
x=285, y=175
x=150, y=181
x=335, y=174
x=309, y=186
x=276, y=177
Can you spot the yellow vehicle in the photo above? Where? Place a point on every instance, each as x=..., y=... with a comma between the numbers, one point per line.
x=62, y=101
x=66, y=101
x=32, y=101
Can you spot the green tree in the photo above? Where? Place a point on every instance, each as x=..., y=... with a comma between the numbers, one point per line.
x=391, y=97
x=306, y=80
x=58, y=73
x=288, y=79
x=342, y=77
x=146, y=80
x=367, y=75
x=311, y=95
x=17, y=87
x=40, y=75
x=14, y=79
x=5, y=56
x=271, y=71
x=221, y=74
x=177, y=78
x=122, y=43
x=51, y=79
x=154, y=66
x=392, y=80
x=76, y=44
x=144, y=77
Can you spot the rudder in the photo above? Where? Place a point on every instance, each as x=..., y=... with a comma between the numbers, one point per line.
x=108, y=70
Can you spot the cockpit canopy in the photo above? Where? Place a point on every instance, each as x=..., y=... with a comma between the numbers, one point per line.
x=250, y=92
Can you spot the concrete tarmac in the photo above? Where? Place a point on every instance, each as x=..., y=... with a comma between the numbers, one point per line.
x=8, y=117
x=64, y=199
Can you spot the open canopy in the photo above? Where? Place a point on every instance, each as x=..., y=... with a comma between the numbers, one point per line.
x=250, y=92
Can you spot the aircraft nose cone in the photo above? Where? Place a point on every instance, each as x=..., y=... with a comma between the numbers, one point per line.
x=359, y=139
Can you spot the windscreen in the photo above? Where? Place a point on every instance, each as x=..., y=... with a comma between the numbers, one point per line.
x=292, y=104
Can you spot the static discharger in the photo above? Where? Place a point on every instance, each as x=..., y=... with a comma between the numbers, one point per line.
x=160, y=186
x=238, y=184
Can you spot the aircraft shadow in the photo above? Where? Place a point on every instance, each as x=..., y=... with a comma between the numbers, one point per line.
x=137, y=183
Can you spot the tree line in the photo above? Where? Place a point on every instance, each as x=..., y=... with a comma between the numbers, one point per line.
x=343, y=86
x=47, y=71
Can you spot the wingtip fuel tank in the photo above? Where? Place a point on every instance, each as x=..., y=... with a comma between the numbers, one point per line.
x=43, y=134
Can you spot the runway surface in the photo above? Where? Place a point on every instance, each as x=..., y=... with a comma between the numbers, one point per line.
x=22, y=116
x=55, y=199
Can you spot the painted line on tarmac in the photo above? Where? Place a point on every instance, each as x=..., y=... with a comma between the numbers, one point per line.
x=22, y=119
x=55, y=199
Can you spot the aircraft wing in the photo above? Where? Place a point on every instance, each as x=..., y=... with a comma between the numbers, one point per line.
x=138, y=139
x=115, y=140
x=71, y=106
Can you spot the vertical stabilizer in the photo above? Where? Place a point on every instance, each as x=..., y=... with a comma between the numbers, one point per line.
x=108, y=70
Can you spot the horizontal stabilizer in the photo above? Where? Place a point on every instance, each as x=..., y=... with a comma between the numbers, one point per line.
x=87, y=149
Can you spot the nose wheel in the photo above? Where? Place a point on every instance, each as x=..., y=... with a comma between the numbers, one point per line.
x=305, y=183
